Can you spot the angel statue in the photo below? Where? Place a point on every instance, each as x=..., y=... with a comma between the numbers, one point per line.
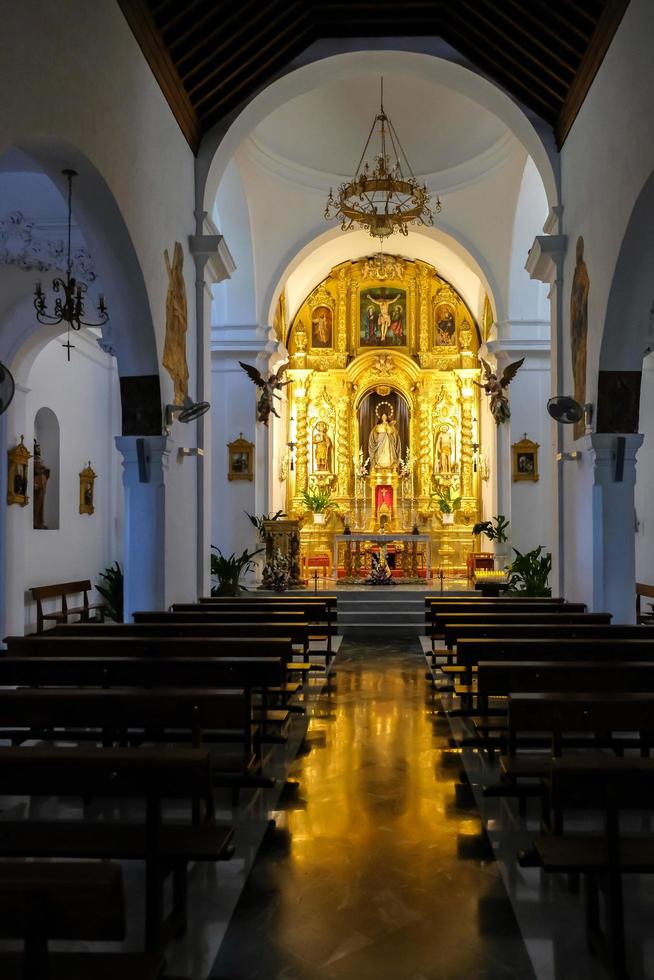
x=494, y=386
x=274, y=383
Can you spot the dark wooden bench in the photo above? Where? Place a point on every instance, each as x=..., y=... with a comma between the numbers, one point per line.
x=435, y=612
x=119, y=774
x=540, y=642
x=499, y=679
x=81, y=900
x=451, y=623
x=644, y=592
x=563, y=720
x=607, y=786
x=62, y=591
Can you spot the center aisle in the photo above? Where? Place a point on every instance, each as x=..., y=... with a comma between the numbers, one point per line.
x=363, y=879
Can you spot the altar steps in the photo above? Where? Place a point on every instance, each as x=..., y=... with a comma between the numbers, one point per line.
x=393, y=617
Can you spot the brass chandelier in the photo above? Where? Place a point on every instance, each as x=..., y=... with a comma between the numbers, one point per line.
x=382, y=198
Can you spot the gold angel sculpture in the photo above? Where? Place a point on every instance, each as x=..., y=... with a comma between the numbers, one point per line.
x=268, y=388
x=495, y=388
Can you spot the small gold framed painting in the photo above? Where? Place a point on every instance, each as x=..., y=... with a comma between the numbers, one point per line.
x=525, y=459
x=87, y=480
x=18, y=459
x=240, y=461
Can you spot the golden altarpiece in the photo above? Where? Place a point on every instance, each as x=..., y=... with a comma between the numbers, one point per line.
x=383, y=411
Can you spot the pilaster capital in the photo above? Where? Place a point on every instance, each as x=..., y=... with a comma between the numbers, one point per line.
x=211, y=254
x=605, y=449
x=545, y=258
x=158, y=450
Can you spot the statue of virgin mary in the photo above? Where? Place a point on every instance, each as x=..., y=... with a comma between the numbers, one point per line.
x=384, y=448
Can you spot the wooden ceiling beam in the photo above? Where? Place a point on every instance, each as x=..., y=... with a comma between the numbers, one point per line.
x=539, y=26
x=549, y=10
x=498, y=33
x=590, y=63
x=138, y=16
x=491, y=9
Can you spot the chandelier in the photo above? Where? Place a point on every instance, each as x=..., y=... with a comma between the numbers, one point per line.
x=69, y=307
x=382, y=197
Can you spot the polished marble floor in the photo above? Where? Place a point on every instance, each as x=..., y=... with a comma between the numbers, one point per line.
x=373, y=872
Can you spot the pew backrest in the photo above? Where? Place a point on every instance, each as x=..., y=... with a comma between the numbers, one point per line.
x=156, y=647
x=501, y=678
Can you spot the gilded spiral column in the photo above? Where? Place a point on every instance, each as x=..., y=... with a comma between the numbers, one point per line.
x=300, y=379
x=343, y=446
x=466, y=447
x=423, y=455
x=423, y=316
x=341, y=314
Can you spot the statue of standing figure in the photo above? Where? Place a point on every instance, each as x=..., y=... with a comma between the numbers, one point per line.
x=384, y=448
x=41, y=477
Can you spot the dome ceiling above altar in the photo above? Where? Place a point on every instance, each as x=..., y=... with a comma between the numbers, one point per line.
x=325, y=130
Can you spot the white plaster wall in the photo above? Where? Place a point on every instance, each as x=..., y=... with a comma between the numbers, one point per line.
x=530, y=502
x=605, y=162
x=84, y=395
x=645, y=479
x=106, y=102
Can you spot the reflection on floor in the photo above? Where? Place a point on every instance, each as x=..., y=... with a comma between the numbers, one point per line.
x=374, y=872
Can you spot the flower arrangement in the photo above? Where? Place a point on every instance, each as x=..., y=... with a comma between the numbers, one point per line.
x=361, y=467
x=380, y=573
x=447, y=504
x=277, y=572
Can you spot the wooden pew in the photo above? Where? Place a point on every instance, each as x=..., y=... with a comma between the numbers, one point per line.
x=499, y=679
x=435, y=612
x=571, y=719
x=451, y=623
x=644, y=592
x=118, y=774
x=318, y=611
x=62, y=591
x=610, y=786
x=81, y=900
x=553, y=643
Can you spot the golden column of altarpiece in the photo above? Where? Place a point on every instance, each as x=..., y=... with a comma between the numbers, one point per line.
x=382, y=411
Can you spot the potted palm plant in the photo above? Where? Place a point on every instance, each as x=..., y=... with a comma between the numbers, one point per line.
x=495, y=530
x=318, y=501
x=447, y=504
x=227, y=571
x=529, y=573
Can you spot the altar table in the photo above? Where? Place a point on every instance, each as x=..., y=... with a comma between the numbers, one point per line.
x=353, y=551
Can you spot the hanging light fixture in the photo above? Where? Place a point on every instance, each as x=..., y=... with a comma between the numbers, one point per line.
x=69, y=308
x=382, y=197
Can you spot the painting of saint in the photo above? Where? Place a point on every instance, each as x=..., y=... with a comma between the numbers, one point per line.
x=321, y=327
x=579, y=331
x=445, y=328
x=383, y=318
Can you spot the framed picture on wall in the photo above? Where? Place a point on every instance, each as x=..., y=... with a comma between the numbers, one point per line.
x=240, y=460
x=18, y=460
x=525, y=460
x=87, y=480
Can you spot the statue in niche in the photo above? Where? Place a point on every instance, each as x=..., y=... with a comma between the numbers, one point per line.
x=41, y=477
x=174, y=354
x=579, y=330
x=444, y=450
x=322, y=449
x=384, y=447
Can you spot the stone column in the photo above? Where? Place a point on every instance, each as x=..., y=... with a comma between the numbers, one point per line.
x=144, y=523
x=614, y=546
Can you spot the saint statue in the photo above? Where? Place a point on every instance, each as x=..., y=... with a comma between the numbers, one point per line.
x=174, y=353
x=384, y=448
x=443, y=452
x=41, y=477
x=322, y=448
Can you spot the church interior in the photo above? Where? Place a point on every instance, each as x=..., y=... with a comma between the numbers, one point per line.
x=327, y=548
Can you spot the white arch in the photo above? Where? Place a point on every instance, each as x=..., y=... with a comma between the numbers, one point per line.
x=308, y=262
x=220, y=144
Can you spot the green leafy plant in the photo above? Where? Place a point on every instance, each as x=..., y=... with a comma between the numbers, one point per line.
x=228, y=571
x=529, y=573
x=318, y=500
x=111, y=590
x=447, y=504
x=495, y=529
x=258, y=522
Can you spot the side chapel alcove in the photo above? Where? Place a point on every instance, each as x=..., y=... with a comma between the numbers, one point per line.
x=383, y=412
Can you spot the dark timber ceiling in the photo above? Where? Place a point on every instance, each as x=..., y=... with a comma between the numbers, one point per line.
x=210, y=56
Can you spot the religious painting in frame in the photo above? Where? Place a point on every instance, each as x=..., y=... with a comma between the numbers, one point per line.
x=382, y=317
x=240, y=460
x=525, y=460
x=445, y=302
x=322, y=327
x=87, y=480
